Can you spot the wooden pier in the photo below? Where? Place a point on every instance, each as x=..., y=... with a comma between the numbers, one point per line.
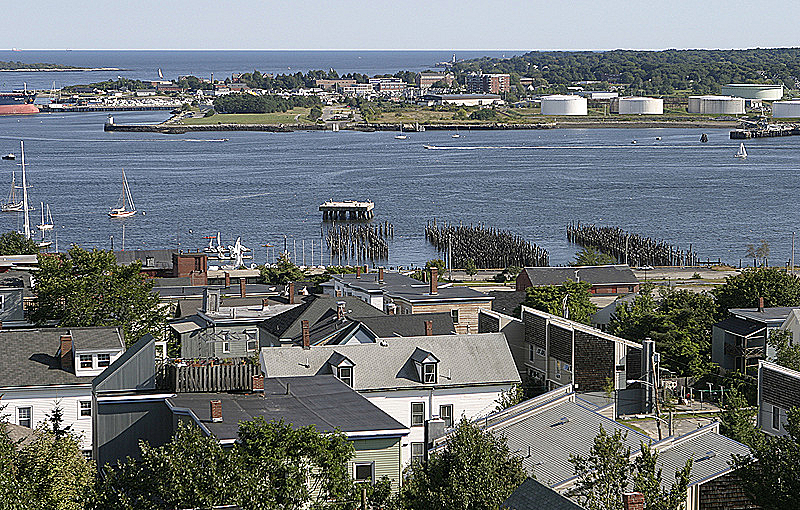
x=349, y=209
x=767, y=132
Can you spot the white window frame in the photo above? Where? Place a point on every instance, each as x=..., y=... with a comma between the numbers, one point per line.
x=441, y=415
x=540, y=352
x=2, y=302
x=347, y=379
x=100, y=362
x=81, y=409
x=226, y=347
x=254, y=344
x=371, y=465
x=29, y=419
x=454, y=315
x=81, y=361
x=426, y=372
x=420, y=457
x=776, y=418
x=422, y=414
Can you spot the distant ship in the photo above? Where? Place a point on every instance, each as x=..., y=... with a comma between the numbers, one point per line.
x=13, y=103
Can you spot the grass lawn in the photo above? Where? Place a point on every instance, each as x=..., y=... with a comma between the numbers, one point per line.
x=255, y=118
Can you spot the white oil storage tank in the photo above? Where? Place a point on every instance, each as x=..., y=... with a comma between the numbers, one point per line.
x=564, y=105
x=760, y=91
x=641, y=106
x=716, y=105
x=786, y=109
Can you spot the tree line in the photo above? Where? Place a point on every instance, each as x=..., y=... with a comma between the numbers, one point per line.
x=250, y=103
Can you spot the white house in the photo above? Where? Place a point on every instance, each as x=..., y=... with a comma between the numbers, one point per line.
x=412, y=379
x=778, y=392
x=41, y=369
x=792, y=324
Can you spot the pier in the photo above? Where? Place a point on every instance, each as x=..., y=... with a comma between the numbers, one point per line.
x=349, y=209
x=765, y=132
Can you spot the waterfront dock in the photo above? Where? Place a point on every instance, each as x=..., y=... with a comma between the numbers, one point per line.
x=46, y=108
x=351, y=209
x=770, y=131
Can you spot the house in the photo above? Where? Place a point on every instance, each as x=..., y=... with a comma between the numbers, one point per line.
x=462, y=99
x=740, y=341
x=551, y=428
x=778, y=392
x=426, y=80
x=168, y=263
x=15, y=296
x=605, y=280
x=602, y=318
x=490, y=321
x=534, y=495
x=41, y=369
x=792, y=324
x=415, y=380
x=133, y=403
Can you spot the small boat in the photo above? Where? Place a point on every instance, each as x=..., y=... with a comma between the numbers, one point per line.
x=456, y=135
x=47, y=220
x=742, y=153
x=633, y=141
x=658, y=138
x=401, y=136
x=704, y=138
x=10, y=157
x=13, y=204
x=126, y=208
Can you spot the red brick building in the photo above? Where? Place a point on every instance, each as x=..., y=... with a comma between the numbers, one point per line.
x=489, y=83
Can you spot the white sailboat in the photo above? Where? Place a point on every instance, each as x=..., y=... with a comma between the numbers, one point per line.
x=742, y=154
x=13, y=204
x=27, y=229
x=401, y=136
x=125, y=207
x=47, y=219
x=456, y=135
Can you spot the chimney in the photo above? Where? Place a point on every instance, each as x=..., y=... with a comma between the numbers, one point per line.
x=242, y=287
x=434, y=281
x=380, y=275
x=227, y=279
x=258, y=382
x=340, y=309
x=264, y=303
x=358, y=271
x=66, y=353
x=216, y=411
x=291, y=293
x=306, y=335
x=761, y=304
x=632, y=501
x=428, y=328
x=391, y=309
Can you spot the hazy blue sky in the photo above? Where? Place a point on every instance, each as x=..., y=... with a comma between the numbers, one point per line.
x=398, y=24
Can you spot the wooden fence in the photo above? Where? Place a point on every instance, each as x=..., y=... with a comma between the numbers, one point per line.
x=185, y=379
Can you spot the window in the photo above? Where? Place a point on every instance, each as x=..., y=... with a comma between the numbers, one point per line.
x=446, y=414
x=84, y=408
x=2, y=303
x=454, y=315
x=160, y=351
x=24, y=416
x=364, y=472
x=346, y=375
x=776, y=418
x=417, y=452
x=620, y=368
x=417, y=414
x=531, y=352
x=86, y=360
x=149, y=261
x=103, y=360
x=252, y=345
x=540, y=352
x=87, y=454
x=252, y=340
x=226, y=347
x=429, y=373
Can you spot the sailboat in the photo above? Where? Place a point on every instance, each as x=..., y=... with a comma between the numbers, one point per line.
x=127, y=208
x=456, y=135
x=25, y=209
x=742, y=154
x=46, y=225
x=13, y=204
x=401, y=136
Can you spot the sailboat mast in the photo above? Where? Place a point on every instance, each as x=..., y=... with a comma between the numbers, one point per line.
x=25, y=193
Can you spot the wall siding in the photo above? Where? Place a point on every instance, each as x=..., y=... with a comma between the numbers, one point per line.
x=467, y=313
x=385, y=453
x=42, y=401
x=594, y=361
x=535, y=329
x=724, y=493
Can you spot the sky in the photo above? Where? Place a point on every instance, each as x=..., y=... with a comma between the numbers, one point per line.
x=398, y=24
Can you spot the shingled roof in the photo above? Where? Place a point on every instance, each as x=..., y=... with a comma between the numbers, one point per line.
x=618, y=274
x=314, y=309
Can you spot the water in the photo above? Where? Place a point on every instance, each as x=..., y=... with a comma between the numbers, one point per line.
x=144, y=65
x=264, y=185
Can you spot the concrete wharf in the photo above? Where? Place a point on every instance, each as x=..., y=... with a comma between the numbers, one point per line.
x=351, y=209
x=99, y=108
x=765, y=132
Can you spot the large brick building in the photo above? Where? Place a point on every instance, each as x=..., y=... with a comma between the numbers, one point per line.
x=608, y=279
x=489, y=83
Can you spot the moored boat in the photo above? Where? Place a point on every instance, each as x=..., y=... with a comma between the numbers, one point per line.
x=17, y=102
x=125, y=207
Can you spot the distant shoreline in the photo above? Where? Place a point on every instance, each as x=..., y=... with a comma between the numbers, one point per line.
x=59, y=69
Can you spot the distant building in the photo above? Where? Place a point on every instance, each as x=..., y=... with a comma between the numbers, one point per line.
x=426, y=80
x=168, y=263
x=334, y=84
x=778, y=392
x=358, y=89
x=463, y=99
x=598, y=94
x=605, y=280
x=388, y=86
x=488, y=83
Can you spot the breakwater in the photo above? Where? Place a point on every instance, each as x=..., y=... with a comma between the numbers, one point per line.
x=632, y=249
x=355, y=244
x=185, y=128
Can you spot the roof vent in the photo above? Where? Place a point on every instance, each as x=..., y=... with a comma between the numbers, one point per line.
x=708, y=455
x=563, y=421
x=384, y=343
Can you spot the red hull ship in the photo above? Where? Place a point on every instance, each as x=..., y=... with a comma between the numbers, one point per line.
x=17, y=103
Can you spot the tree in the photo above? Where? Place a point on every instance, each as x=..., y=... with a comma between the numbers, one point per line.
x=590, y=256
x=550, y=299
x=282, y=272
x=474, y=471
x=777, y=287
x=510, y=398
x=55, y=422
x=738, y=418
x=760, y=252
x=602, y=476
x=786, y=354
x=315, y=113
x=647, y=480
x=771, y=474
x=469, y=267
x=88, y=288
x=14, y=243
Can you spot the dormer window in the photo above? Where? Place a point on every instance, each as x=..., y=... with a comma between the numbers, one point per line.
x=342, y=368
x=103, y=360
x=427, y=366
x=85, y=360
x=346, y=375
x=429, y=373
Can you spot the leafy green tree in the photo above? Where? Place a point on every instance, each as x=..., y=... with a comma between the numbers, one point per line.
x=470, y=268
x=786, y=354
x=510, y=398
x=315, y=113
x=777, y=287
x=647, y=480
x=282, y=272
x=590, y=256
x=474, y=471
x=550, y=299
x=14, y=243
x=88, y=288
x=771, y=475
x=738, y=418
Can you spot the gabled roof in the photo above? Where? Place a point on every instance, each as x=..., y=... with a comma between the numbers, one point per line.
x=30, y=357
x=740, y=327
x=620, y=274
x=506, y=301
x=533, y=495
x=447, y=294
x=162, y=259
x=407, y=324
x=314, y=309
x=771, y=314
x=323, y=401
x=465, y=360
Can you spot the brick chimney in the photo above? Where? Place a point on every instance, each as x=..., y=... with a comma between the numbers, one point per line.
x=761, y=304
x=434, y=281
x=264, y=303
x=258, y=382
x=428, y=328
x=242, y=287
x=291, y=293
x=380, y=275
x=391, y=309
x=306, y=335
x=216, y=411
x=633, y=501
x=227, y=279
x=340, y=305
x=358, y=271
x=67, y=356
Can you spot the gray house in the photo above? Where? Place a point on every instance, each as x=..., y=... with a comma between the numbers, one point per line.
x=15, y=291
x=778, y=392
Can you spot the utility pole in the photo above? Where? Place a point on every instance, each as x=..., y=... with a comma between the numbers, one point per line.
x=655, y=390
x=792, y=268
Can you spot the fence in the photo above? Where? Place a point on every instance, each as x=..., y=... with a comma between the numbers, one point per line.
x=187, y=379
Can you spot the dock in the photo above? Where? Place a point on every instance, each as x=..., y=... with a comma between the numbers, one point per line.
x=770, y=131
x=348, y=209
